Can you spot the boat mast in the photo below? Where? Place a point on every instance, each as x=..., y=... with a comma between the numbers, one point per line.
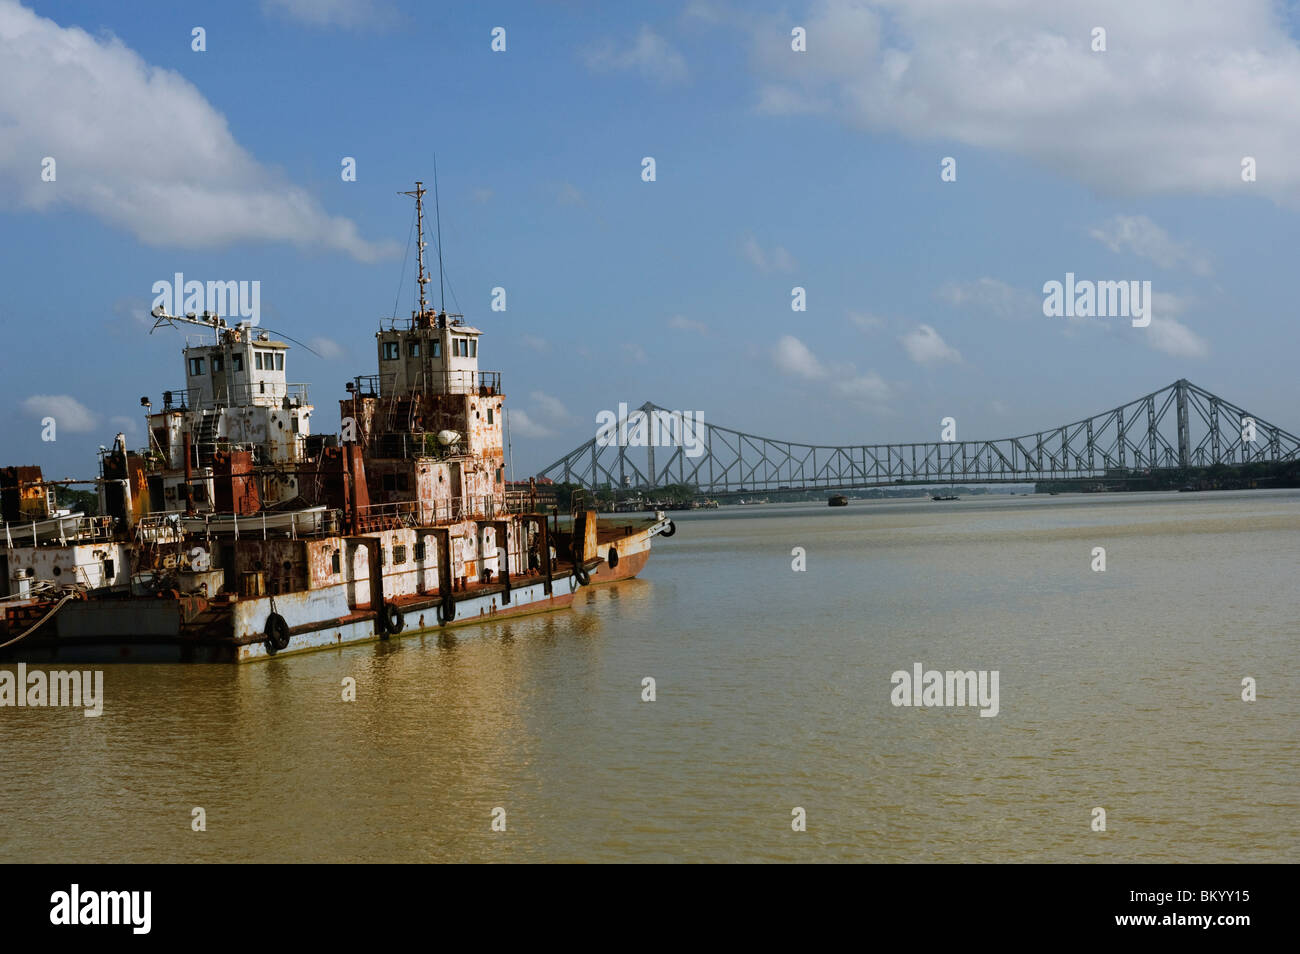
x=422, y=278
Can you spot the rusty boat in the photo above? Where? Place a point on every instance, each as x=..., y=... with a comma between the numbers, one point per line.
x=237, y=534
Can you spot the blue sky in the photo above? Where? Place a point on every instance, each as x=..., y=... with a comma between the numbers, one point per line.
x=775, y=169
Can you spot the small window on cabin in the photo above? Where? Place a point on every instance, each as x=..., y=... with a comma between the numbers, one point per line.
x=110, y=569
x=399, y=554
x=489, y=415
x=392, y=351
x=196, y=366
x=437, y=349
x=294, y=421
x=257, y=360
x=414, y=349
x=473, y=347
x=237, y=362
x=419, y=552
x=500, y=474
x=216, y=363
x=279, y=361
x=335, y=566
x=402, y=482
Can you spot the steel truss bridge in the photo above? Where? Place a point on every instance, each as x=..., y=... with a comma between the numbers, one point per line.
x=1178, y=427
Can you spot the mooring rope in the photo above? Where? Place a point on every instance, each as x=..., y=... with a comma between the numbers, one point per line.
x=37, y=625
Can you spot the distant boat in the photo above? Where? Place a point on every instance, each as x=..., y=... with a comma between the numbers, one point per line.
x=1187, y=489
x=945, y=497
x=838, y=500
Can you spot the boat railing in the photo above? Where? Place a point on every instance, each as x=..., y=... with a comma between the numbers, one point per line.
x=76, y=528
x=161, y=527
x=416, y=513
x=483, y=383
x=239, y=395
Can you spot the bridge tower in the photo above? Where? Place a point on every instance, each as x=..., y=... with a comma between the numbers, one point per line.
x=1184, y=436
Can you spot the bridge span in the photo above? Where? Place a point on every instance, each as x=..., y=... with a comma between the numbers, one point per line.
x=1178, y=427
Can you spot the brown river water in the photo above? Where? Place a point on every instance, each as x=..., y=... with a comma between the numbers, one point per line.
x=1119, y=690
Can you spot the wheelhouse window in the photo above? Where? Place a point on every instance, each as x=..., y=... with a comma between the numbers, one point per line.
x=392, y=351
x=196, y=366
x=216, y=363
x=437, y=349
x=257, y=360
x=279, y=361
x=414, y=349
x=237, y=362
x=473, y=347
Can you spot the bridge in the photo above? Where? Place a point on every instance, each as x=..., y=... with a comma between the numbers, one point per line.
x=1178, y=427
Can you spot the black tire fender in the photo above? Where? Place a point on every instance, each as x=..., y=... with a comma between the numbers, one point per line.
x=446, y=611
x=277, y=633
x=581, y=575
x=392, y=619
x=669, y=530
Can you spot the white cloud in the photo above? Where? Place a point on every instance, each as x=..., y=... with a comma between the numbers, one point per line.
x=69, y=414
x=523, y=425
x=540, y=345
x=372, y=14
x=866, y=322
x=649, y=54
x=1167, y=334
x=1175, y=338
x=328, y=348
x=992, y=296
x=549, y=408
x=1184, y=92
x=792, y=357
x=1142, y=237
x=869, y=388
x=635, y=353
x=682, y=323
x=481, y=195
x=775, y=259
x=544, y=417
x=924, y=345
x=127, y=425
x=140, y=148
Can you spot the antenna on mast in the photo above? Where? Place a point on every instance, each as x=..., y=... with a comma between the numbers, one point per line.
x=422, y=279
